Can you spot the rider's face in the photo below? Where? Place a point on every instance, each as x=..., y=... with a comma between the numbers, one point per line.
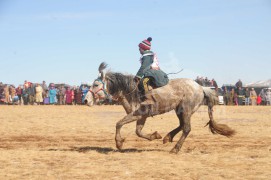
x=141, y=51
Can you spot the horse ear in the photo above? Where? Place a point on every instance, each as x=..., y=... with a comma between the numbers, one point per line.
x=101, y=69
x=103, y=75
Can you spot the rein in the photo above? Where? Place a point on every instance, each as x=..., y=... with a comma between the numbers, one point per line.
x=133, y=89
x=96, y=91
x=119, y=96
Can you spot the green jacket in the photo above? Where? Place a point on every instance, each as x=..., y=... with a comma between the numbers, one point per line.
x=160, y=78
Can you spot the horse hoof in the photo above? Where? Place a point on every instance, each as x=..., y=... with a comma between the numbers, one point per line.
x=119, y=144
x=156, y=135
x=167, y=139
x=174, y=151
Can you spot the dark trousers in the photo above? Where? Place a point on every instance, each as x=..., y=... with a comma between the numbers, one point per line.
x=20, y=97
x=240, y=101
x=31, y=99
x=25, y=98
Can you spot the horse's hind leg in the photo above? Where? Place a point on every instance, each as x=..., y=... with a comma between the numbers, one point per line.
x=186, y=130
x=169, y=137
x=139, y=126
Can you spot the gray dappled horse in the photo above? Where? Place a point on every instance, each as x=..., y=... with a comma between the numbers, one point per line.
x=184, y=96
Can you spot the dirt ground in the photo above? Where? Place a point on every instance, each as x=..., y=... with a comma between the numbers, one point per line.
x=77, y=142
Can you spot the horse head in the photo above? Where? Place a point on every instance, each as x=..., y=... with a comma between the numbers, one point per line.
x=89, y=99
x=99, y=89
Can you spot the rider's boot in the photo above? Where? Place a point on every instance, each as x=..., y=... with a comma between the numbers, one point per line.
x=147, y=98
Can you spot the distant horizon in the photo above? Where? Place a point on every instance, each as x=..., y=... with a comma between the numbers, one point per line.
x=90, y=83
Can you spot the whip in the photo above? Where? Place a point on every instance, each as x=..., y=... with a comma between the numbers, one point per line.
x=176, y=72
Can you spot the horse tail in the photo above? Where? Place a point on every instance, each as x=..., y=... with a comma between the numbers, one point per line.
x=211, y=99
x=210, y=96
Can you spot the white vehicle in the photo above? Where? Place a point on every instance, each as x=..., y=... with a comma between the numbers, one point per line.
x=220, y=95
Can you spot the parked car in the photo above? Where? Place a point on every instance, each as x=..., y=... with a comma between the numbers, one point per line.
x=220, y=95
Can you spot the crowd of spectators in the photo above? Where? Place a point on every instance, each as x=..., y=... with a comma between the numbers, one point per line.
x=39, y=93
x=239, y=95
x=62, y=94
x=206, y=82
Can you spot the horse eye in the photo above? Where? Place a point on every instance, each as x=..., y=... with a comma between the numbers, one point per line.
x=96, y=85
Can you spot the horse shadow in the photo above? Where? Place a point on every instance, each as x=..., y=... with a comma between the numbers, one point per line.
x=104, y=150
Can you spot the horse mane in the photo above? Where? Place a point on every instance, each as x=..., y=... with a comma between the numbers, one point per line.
x=119, y=83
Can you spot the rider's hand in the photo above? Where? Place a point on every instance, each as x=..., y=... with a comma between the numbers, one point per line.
x=136, y=79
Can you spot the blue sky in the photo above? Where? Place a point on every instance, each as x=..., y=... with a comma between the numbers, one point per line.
x=66, y=40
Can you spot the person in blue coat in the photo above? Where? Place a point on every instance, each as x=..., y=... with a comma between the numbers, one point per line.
x=52, y=94
x=84, y=90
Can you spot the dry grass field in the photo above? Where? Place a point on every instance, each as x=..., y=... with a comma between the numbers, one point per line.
x=77, y=142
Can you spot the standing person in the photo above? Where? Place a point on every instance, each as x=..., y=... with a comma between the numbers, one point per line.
x=25, y=95
x=247, y=97
x=84, y=91
x=6, y=92
x=73, y=95
x=149, y=74
x=78, y=97
x=232, y=93
x=68, y=94
x=259, y=100
x=19, y=92
x=268, y=97
x=12, y=92
x=39, y=92
x=62, y=92
x=52, y=94
x=57, y=95
x=198, y=80
x=240, y=94
x=215, y=84
x=263, y=97
x=46, y=99
x=236, y=98
x=202, y=81
x=44, y=88
x=239, y=84
x=26, y=84
x=206, y=82
x=32, y=93
x=253, y=97
x=226, y=96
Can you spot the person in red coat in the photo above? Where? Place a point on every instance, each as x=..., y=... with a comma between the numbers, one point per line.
x=19, y=92
x=69, y=96
x=259, y=100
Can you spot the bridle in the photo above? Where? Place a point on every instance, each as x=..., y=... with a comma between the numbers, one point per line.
x=103, y=88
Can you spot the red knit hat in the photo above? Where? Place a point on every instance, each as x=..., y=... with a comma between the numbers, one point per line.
x=146, y=44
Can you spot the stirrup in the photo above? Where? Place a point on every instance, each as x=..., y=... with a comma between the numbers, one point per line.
x=145, y=103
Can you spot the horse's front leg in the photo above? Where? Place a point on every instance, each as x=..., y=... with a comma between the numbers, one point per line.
x=127, y=119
